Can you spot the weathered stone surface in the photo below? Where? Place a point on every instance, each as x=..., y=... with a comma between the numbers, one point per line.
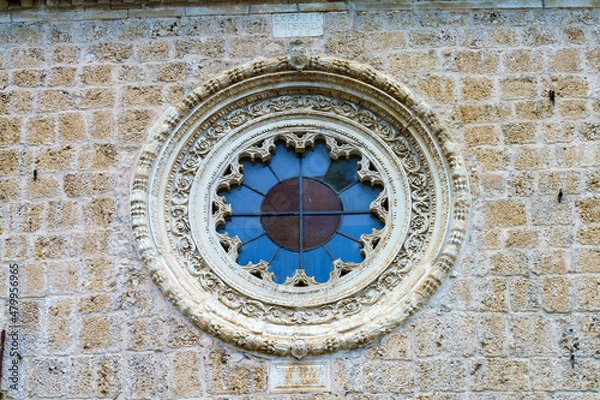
x=81, y=84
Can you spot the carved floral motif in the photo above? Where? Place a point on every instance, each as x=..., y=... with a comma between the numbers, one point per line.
x=356, y=111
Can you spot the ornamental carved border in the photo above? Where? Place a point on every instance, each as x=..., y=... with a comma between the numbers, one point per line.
x=298, y=99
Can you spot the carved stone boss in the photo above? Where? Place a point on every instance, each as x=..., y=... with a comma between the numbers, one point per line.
x=194, y=154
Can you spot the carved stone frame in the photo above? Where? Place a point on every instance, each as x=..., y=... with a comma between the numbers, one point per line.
x=188, y=157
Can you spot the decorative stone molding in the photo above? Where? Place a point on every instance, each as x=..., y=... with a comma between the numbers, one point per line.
x=194, y=157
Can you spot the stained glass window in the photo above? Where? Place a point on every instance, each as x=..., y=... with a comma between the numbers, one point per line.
x=300, y=211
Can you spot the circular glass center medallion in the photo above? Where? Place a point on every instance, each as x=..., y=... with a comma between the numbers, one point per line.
x=301, y=214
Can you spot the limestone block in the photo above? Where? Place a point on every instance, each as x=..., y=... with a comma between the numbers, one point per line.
x=41, y=130
x=132, y=125
x=96, y=333
x=476, y=89
x=529, y=157
x=186, y=374
x=567, y=85
x=520, y=132
x=131, y=29
x=480, y=135
x=438, y=88
x=96, y=74
x=396, y=346
x=146, y=334
x=140, y=95
x=387, y=377
x=572, y=109
x=60, y=326
x=154, y=50
x=174, y=71
x=94, y=242
x=518, y=87
x=505, y=213
x=504, y=37
x=588, y=210
x=493, y=334
x=461, y=328
x=589, y=236
x=102, y=156
x=65, y=54
x=28, y=77
x=94, y=303
x=98, y=274
x=141, y=377
x=483, y=113
x=94, y=98
x=50, y=376
x=44, y=186
x=580, y=375
x=524, y=294
x=111, y=51
x=522, y=60
x=587, y=293
x=385, y=41
x=51, y=246
x=441, y=375
x=565, y=60
x=493, y=294
x=81, y=377
x=181, y=335
x=556, y=294
x=22, y=101
x=62, y=76
x=54, y=159
x=26, y=57
x=62, y=277
x=551, y=262
x=430, y=338
x=55, y=100
x=476, y=62
x=593, y=58
x=108, y=376
x=101, y=125
x=413, y=61
x=33, y=280
x=9, y=162
x=532, y=335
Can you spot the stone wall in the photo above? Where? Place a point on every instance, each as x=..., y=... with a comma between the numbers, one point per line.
x=517, y=319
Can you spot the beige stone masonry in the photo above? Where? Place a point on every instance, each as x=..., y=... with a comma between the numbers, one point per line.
x=51, y=10
x=518, y=315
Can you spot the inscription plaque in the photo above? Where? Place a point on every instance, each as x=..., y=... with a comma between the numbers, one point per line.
x=291, y=378
x=297, y=24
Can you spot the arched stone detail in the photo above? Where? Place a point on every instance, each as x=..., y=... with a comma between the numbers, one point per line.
x=195, y=148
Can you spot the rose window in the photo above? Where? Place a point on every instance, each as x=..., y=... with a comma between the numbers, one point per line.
x=298, y=215
x=299, y=205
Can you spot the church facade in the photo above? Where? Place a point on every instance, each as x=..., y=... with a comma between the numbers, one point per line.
x=316, y=200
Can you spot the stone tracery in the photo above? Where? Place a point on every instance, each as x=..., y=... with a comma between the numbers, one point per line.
x=195, y=152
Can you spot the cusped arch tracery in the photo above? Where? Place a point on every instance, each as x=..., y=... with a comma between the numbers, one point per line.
x=195, y=159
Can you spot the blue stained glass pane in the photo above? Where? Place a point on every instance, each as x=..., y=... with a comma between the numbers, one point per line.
x=357, y=224
x=316, y=161
x=260, y=249
x=285, y=162
x=246, y=228
x=345, y=249
x=359, y=197
x=285, y=264
x=318, y=264
x=342, y=174
x=258, y=177
x=243, y=200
